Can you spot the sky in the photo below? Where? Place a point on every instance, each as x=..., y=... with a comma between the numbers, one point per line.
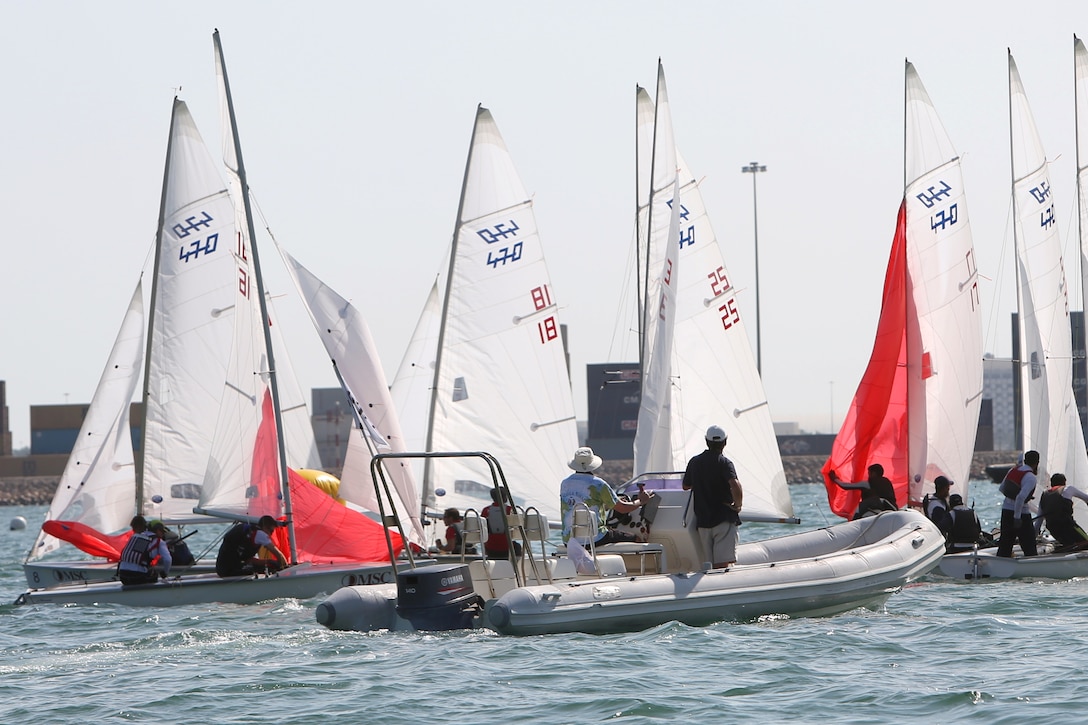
x=355, y=119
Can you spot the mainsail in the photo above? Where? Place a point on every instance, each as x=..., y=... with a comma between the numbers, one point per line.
x=190, y=325
x=653, y=437
x=916, y=408
x=713, y=378
x=1049, y=410
x=499, y=380
x=237, y=483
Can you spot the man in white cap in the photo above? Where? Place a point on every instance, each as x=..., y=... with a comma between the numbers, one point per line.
x=716, y=499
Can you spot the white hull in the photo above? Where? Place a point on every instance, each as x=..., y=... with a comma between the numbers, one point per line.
x=814, y=573
x=299, y=582
x=45, y=574
x=977, y=565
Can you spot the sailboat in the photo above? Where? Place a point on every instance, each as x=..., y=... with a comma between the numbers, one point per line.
x=815, y=573
x=1050, y=419
x=486, y=369
x=916, y=409
x=226, y=438
x=707, y=367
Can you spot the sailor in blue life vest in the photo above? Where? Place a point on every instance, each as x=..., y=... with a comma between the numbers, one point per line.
x=1016, y=525
x=1056, y=507
x=145, y=557
x=936, y=506
x=240, y=547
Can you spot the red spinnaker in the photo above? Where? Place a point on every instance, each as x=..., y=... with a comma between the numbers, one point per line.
x=875, y=429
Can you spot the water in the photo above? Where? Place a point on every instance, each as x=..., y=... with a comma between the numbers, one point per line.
x=940, y=651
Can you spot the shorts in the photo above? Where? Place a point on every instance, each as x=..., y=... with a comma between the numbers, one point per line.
x=720, y=543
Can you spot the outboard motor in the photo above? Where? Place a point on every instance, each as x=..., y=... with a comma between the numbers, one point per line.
x=437, y=598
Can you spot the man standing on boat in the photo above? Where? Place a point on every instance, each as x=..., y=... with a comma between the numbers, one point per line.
x=716, y=498
x=1018, y=488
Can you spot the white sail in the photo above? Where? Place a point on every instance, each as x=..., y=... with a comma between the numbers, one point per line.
x=653, y=436
x=412, y=384
x=347, y=340
x=944, y=323
x=96, y=487
x=1050, y=417
x=713, y=370
x=501, y=383
x=190, y=325
x=246, y=475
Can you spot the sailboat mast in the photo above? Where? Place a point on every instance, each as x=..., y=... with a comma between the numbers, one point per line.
x=1018, y=399
x=428, y=468
x=151, y=310
x=1080, y=190
x=640, y=273
x=262, y=301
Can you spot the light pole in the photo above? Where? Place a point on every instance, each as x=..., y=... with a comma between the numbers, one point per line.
x=753, y=169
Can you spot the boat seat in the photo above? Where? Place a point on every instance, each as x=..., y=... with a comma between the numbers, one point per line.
x=473, y=533
x=492, y=578
x=611, y=565
x=646, y=558
x=555, y=568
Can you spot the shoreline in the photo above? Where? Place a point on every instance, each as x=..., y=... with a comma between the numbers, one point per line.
x=38, y=490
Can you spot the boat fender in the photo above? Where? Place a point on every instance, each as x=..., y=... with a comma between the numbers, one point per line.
x=499, y=615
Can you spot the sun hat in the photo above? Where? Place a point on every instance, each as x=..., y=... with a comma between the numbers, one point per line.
x=585, y=461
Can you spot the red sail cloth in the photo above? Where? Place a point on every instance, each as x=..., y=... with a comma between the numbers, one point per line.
x=875, y=429
x=325, y=530
x=87, y=539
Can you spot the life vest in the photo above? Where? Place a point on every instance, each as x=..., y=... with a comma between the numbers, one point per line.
x=140, y=550
x=965, y=525
x=496, y=528
x=1054, y=506
x=242, y=538
x=458, y=537
x=1015, y=477
x=928, y=510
